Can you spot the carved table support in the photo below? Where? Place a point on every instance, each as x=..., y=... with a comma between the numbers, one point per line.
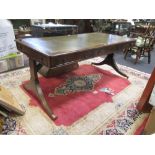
x=109, y=60
x=56, y=71
x=35, y=86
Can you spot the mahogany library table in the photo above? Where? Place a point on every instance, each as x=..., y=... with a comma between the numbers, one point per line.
x=52, y=56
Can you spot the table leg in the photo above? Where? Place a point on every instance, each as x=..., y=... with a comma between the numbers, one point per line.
x=35, y=86
x=109, y=60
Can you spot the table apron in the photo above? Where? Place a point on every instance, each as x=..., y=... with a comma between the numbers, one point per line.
x=34, y=54
x=85, y=54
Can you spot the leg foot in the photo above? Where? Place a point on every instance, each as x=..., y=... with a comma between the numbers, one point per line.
x=109, y=60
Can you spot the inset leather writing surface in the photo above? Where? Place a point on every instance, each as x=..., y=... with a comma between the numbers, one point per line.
x=53, y=46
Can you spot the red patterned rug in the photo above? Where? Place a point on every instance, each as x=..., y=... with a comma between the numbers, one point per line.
x=117, y=115
x=123, y=122
x=73, y=95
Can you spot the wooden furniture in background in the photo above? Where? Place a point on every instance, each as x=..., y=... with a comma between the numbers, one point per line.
x=84, y=25
x=144, y=44
x=46, y=30
x=145, y=30
x=120, y=27
x=60, y=51
x=141, y=29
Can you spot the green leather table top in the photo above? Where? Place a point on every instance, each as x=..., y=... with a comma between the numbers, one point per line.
x=59, y=45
